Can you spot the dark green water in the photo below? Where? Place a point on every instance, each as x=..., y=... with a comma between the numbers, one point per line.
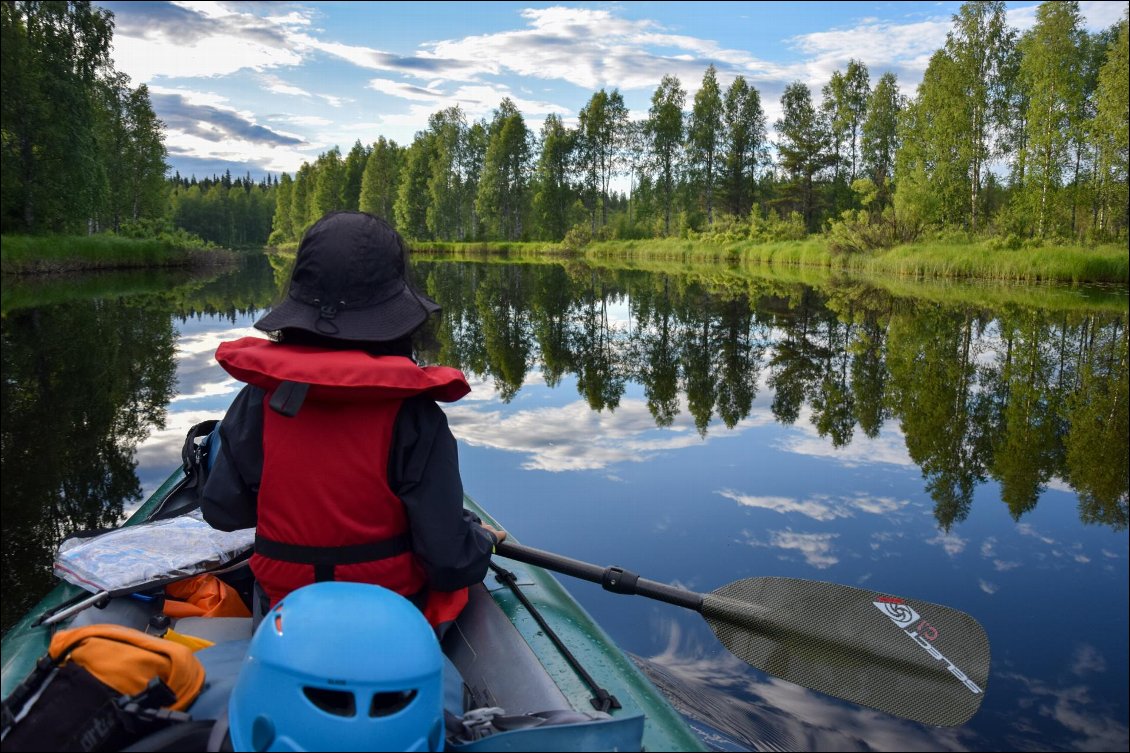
x=965, y=446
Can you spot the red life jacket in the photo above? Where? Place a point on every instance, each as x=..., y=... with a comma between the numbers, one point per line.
x=349, y=525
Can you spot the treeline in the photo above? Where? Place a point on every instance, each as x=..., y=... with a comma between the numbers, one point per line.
x=82, y=150
x=1023, y=136
x=230, y=212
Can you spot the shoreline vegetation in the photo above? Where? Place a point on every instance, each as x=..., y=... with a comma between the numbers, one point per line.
x=63, y=254
x=1009, y=163
x=1109, y=263
x=752, y=273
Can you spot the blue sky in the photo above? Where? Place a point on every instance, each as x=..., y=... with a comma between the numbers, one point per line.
x=262, y=87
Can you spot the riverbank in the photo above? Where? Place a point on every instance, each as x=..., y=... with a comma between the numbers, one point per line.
x=755, y=279
x=979, y=260
x=53, y=254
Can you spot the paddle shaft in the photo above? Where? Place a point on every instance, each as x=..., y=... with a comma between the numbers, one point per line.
x=614, y=579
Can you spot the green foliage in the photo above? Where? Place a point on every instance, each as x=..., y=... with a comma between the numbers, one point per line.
x=581, y=235
x=602, y=129
x=664, y=129
x=36, y=254
x=82, y=150
x=1111, y=129
x=1051, y=111
x=380, y=179
x=238, y=214
x=861, y=231
x=879, y=137
x=704, y=140
x=744, y=144
x=804, y=150
x=1051, y=73
x=503, y=195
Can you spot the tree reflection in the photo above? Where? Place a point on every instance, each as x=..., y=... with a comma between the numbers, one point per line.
x=1017, y=394
x=658, y=367
x=599, y=357
x=1097, y=456
x=83, y=383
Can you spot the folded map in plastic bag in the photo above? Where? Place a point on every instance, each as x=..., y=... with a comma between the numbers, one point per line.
x=150, y=553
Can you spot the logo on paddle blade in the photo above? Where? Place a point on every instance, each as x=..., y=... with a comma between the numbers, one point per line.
x=903, y=615
x=923, y=633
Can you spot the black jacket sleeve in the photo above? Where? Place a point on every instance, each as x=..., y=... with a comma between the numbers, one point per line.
x=424, y=473
x=232, y=490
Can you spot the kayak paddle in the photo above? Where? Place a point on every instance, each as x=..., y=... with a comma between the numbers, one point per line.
x=910, y=658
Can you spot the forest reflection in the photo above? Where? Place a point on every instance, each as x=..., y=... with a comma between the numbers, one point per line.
x=1019, y=395
x=1022, y=395
x=89, y=368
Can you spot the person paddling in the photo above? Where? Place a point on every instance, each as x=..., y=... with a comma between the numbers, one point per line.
x=335, y=450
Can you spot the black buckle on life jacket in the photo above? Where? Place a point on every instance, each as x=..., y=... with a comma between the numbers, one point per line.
x=288, y=398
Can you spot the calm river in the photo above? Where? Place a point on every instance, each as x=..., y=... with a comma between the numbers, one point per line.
x=958, y=444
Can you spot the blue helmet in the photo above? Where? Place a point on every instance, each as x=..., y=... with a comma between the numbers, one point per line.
x=340, y=666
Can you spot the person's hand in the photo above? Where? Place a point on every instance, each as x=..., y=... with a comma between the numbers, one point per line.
x=498, y=534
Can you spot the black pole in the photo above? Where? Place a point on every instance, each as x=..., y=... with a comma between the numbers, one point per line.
x=613, y=579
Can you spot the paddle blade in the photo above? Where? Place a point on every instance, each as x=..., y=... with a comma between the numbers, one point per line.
x=911, y=658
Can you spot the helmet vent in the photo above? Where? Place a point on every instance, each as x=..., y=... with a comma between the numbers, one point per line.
x=387, y=704
x=336, y=702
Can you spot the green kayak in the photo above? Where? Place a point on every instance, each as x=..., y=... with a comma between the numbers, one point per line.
x=522, y=645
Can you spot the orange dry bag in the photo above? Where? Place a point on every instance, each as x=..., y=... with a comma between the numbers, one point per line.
x=203, y=596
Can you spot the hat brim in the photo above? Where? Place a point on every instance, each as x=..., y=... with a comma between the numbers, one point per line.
x=391, y=319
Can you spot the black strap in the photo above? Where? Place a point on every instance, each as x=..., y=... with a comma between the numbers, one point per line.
x=602, y=700
x=288, y=398
x=326, y=558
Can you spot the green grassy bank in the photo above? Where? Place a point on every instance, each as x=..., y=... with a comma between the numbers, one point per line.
x=942, y=260
x=755, y=278
x=26, y=254
x=979, y=260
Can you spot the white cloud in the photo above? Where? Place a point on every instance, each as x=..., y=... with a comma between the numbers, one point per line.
x=904, y=49
x=203, y=125
x=475, y=100
x=574, y=437
x=276, y=85
x=1087, y=659
x=1074, y=707
x=889, y=447
x=594, y=48
x=405, y=90
x=201, y=40
x=950, y=542
x=1101, y=14
x=819, y=507
x=1026, y=529
x=161, y=449
x=815, y=548
x=304, y=120
x=987, y=587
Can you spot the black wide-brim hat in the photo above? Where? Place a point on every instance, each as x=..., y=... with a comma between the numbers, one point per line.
x=349, y=283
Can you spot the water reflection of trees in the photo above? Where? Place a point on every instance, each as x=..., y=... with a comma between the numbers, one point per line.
x=83, y=383
x=1018, y=395
x=88, y=371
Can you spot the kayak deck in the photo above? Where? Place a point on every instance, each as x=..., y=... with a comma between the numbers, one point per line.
x=503, y=653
